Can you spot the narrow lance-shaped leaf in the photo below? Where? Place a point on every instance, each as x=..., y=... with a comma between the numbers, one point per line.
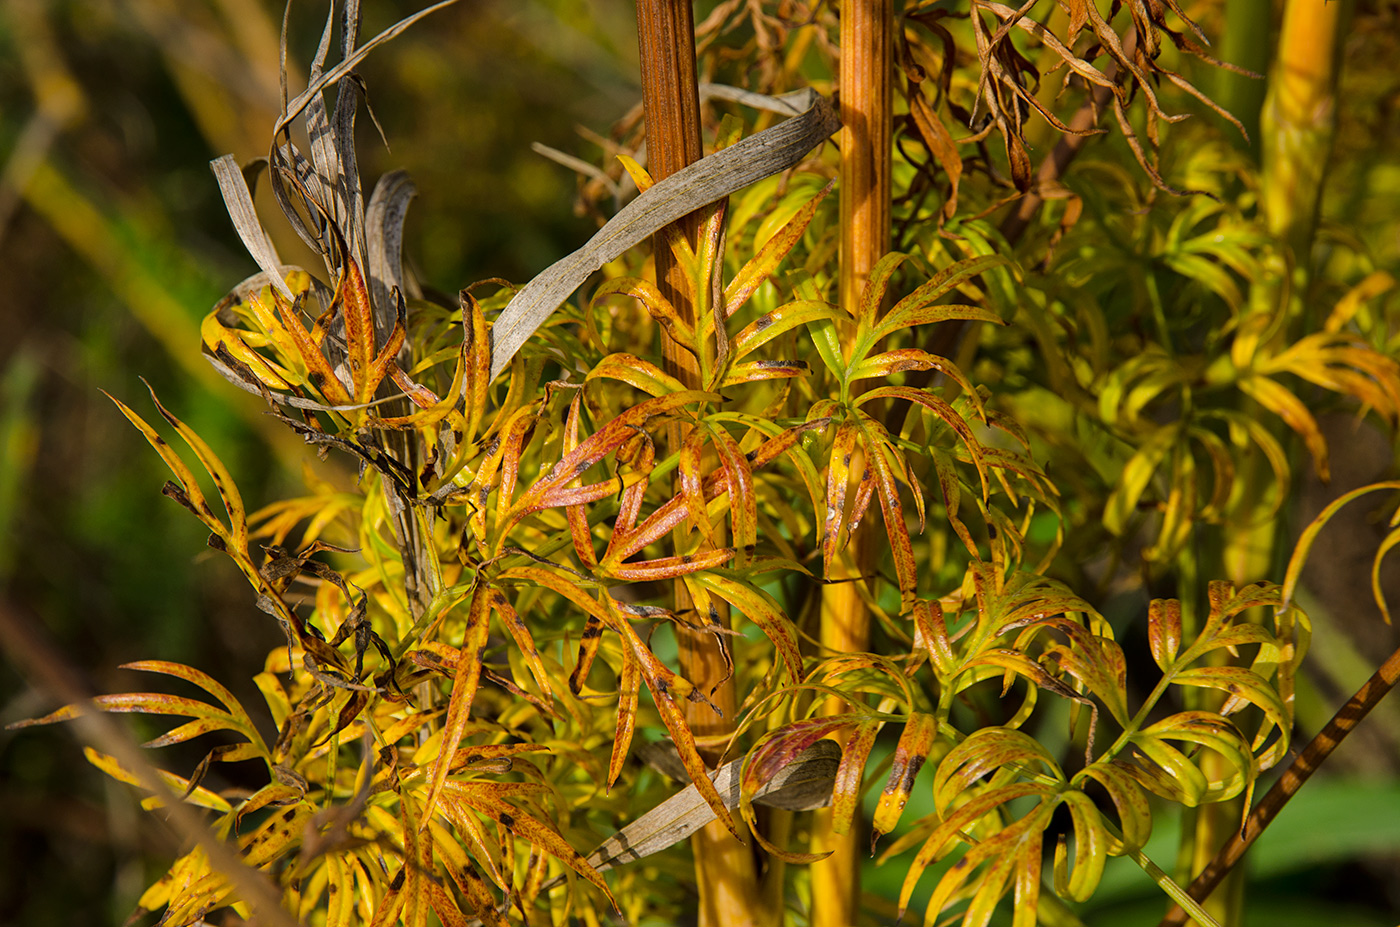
x=469, y=659
x=604, y=441
x=743, y=500
x=760, y=608
x=778, y=322
x=579, y=531
x=846, y=789
x=318, y=370
x=919, y=308
x=651, y=298
x=1287, y=406
x=486, y=798
x=628, y=690
x=916, y=745
x=901, y=548
x=465, y=876
x=761, y=266
x=690, y=484
x=1164, y=630
x=637, y=372
x=843, y=450
x=672, y=513
x=178, y=784
x=665, y=687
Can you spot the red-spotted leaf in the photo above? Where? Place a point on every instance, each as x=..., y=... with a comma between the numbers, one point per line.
x=919, y=308
x=743, y=501
x=666, y=567
x=760, y=608
x=987, y=751
x=358, y=313
x=673, y=512
x=1164, y=630
x=1245, y=685
x=873, y=296
x=666, y=687
x=691, y=484
x=779, y=322
x=901, y=548
x=606, y=440
x=636, y=372
x=843, y=451
x=943, y=411
x=465, y=876
x=628, y=690
x=487, y=799
x=651, y=298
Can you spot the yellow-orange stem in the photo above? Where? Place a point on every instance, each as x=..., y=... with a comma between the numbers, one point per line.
x=724, y=868
x=867, y=29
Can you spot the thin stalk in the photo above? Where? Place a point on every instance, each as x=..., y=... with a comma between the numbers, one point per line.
x=1298, y=121
x=867, y=69
x=1296, y=136
x=1244, y=42
x=724, y=869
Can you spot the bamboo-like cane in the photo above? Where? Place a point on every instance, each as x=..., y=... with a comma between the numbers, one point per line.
x=724, y=869
x=867, y=70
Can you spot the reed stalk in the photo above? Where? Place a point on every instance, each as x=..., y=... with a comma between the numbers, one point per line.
x=725, y=873
x=867, y=68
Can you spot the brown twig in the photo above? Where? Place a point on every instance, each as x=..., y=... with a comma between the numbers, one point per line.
x=1327, y=740
x=35, y=657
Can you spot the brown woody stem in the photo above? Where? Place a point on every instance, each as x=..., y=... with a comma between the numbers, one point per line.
x=867, y=68
x=724, y=869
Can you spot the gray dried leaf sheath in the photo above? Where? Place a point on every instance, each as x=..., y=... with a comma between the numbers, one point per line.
x=707, y=180
x=801, y=785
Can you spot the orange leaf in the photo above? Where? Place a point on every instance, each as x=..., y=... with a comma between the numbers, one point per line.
x=916, y=743
x=464, y=683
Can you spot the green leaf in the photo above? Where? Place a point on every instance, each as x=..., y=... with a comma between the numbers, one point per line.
x=779, y=322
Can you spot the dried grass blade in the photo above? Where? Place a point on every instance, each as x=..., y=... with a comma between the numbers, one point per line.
x=239, y=201
x=707, y=180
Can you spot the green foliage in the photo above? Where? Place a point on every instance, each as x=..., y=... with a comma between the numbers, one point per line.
x=471, y=617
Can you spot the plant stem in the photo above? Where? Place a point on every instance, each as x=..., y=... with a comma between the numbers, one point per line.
x=867, y=67
x=1298, y=121
x=724, y=869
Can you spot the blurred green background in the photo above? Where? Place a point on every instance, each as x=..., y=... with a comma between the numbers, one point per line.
x=114, y=243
